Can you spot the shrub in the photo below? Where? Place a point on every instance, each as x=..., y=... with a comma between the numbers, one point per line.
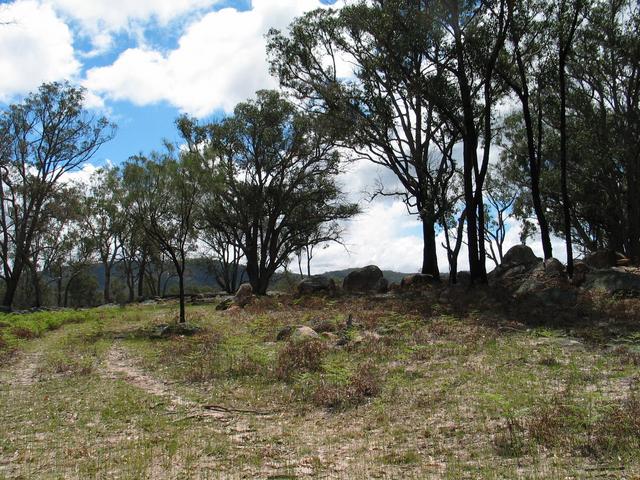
x=298, y=357
x=363, y=384
x=24, y=333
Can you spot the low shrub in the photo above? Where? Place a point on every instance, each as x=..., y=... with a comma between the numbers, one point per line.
x=362, y=385
x=300, y=357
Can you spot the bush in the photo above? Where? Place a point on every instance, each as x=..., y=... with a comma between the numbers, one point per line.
x=362, y=385
x=299, y=357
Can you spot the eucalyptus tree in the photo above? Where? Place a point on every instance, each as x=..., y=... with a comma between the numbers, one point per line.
x=42, y=138
x=524, y=66
x=420, y=69
x=277, y=185
x=162, y=190
x=104, y=221
x=382, y=108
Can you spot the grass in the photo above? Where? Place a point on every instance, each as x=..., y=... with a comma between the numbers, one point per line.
x=416, y=392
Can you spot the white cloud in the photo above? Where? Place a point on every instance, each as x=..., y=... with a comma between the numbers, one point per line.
x=104, y=16
x=35, y=47
x=220, y=60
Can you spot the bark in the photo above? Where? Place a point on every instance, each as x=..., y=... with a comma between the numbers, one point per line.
x=429, y=254
x=107, y=282
x=182, y=308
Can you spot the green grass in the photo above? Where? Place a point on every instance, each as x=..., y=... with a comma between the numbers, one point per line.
x=446, y=395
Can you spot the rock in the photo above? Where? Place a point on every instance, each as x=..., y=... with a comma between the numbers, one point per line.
x=296, y=333
x=165, y=330
x=580, y=270
x=382, y=286
x=601, y=259
x=417, y=280
x=363, y=280
x=330, y=336
x=303, y=333
x=244, y=295
x=519, y=255
x=553, y=267
x=546, y=284
x=613, y=282
x=316, y=284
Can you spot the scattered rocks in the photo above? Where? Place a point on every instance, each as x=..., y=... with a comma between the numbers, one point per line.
x=365, y=280
x=244, y=295
x=317, y=284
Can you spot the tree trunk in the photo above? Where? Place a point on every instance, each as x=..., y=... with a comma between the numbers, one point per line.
x=182, y=308
x=107, y=282
x=141, y=270
x=11, y=285
x=566, y=206
x=59, y=290
x=429, y=254
x=534, y=176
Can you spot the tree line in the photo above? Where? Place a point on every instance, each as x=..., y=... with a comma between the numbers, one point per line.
x=481, y=110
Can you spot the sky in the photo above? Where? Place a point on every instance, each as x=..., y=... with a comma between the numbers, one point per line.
x=144, y=62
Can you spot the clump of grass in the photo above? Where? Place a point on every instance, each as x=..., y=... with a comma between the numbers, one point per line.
x=401, y=458
x=557, y=423
x=24, y=333
x=549, y=361
x=68, y=364
x=510, y=439
x=300, y=357
x=362, y=385
x=617, y=432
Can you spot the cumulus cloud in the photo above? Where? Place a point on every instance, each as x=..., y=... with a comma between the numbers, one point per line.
x=99, y=18
x=36, y=46
x=220, y=60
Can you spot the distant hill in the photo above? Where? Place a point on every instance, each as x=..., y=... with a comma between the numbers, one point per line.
x=199, y=277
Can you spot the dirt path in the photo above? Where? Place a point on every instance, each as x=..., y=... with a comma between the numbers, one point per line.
x=118, y=364
x=25, y=369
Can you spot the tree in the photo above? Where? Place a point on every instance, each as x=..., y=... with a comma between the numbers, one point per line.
x=41, y=139
x=103, y=221
x=163, y=192
x=278, y=169
x=523, y=67
x=385, y=113
x=501, y=194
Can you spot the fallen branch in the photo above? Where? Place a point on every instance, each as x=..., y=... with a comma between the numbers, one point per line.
x=220, y=408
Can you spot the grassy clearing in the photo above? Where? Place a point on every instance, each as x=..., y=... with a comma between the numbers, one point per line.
x=416, y=391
